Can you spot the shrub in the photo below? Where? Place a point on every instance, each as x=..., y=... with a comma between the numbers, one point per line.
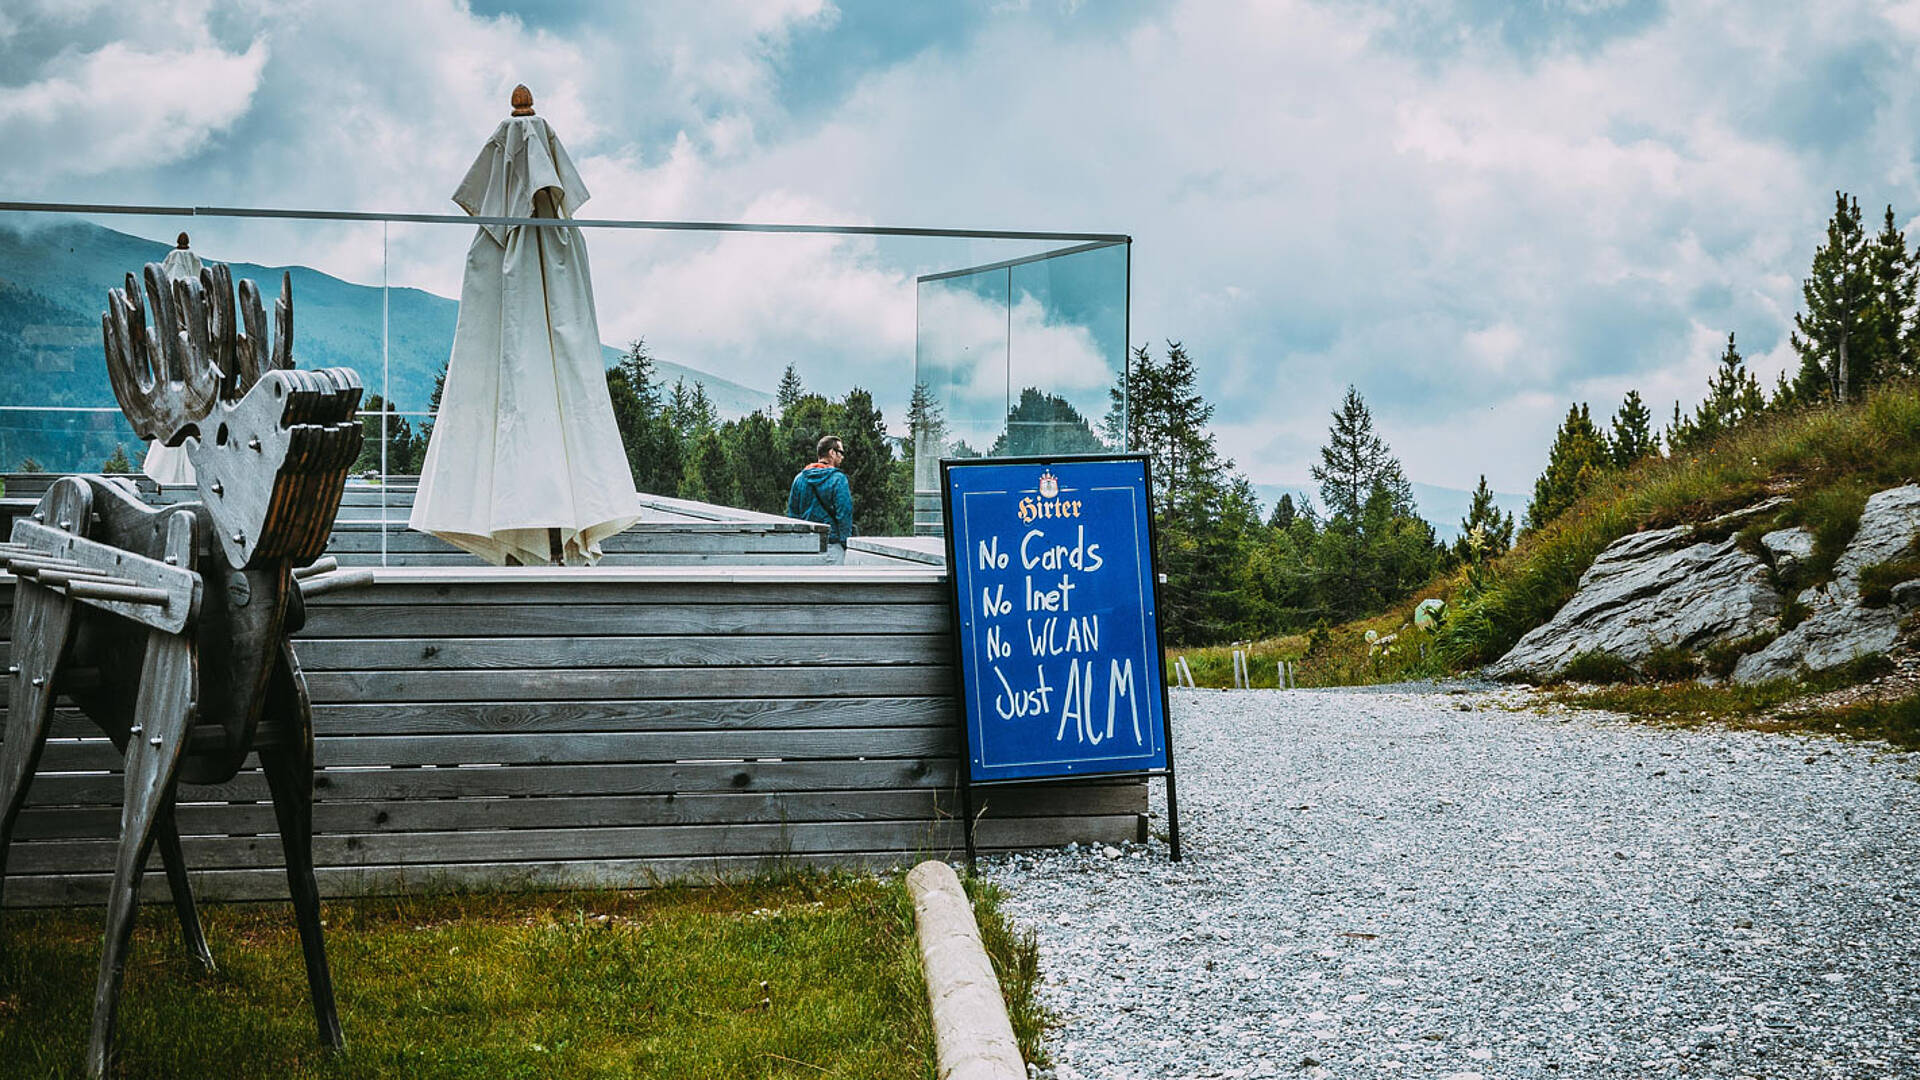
x=1877, y=581
x=1721, y=657
x=1668, y=663
x=1795, y=614
x=1596, y=667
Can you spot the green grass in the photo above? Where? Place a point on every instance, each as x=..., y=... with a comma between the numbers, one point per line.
x=1342, y=657
x=1016, y=963
x=799, y=976
x=1759, y=707
x=1212, y=666
x=1686, y=702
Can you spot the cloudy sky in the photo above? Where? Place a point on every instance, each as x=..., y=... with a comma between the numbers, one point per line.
x=1474, y=211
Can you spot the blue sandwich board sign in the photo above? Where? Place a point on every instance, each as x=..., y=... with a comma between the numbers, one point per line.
x=1056, y=617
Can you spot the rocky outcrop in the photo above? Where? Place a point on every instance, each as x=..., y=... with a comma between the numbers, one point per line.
x=1666, y=588
x=1655, y=589
x=1839, y=628
x=1788, y=548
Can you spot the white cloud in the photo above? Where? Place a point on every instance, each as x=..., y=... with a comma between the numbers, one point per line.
x=119, y=107
x=1472, y=234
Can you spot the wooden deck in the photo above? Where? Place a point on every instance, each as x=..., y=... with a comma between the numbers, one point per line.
x=612, y=726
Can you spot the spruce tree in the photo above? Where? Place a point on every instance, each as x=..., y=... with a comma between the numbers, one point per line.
x=433, y=411
x=790, y=391
x=1493, y=528
x=402, y=457
x=1283, y=513
x=1355, y=461
x=1839, y=296
x=117, y=462
x=877, y=509
x=1896, y=279
x=1680, y=433
x=1578, y=458
x=1374, y=546
x=757, y=464
x=706, y=477
x=1733, y=398
x=1166, y=419
x=1633, y=436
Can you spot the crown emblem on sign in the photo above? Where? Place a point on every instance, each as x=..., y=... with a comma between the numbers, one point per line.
x=1049, y=485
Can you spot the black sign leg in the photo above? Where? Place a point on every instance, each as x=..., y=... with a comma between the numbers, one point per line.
x=1173, y=819
x=966, y=821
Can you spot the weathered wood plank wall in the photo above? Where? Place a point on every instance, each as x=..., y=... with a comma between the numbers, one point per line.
x=563, y=728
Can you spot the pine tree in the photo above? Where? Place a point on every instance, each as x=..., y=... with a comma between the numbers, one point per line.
x=690, y=410
x=1733, y=398
x=433, y=410
x=117, y=462
x=757, y=465
x=926, y=425
x=706, y=477
x=1166, y=419
x=1838, y=295
x=1633, y=436
x=653, y=446
x=877, y=509
x=1484, y=520
x=1680, y=433
x=1374, y=546
x=1896, y=279
x=1355, y=461
x=1578, y=458
x=790, y=391
x=1283, y=513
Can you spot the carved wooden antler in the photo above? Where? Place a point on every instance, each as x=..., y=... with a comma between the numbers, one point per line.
x=199, y=350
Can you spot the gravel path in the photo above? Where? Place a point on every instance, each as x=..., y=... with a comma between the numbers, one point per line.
x=1416, y=883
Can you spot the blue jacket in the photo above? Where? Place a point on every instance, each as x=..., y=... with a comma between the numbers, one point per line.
x=821, y=493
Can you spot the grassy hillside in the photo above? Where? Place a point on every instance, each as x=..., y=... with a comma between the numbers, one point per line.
x=53, y=284
x=1827, y=460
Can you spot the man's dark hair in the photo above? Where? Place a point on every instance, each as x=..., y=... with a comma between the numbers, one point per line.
x=826, y=443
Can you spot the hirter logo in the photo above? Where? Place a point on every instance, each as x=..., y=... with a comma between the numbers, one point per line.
x=1049, y=485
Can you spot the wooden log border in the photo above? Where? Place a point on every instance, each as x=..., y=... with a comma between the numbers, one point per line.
x=560, y=728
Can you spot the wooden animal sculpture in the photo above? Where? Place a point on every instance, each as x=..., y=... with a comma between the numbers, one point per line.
x=169, y=626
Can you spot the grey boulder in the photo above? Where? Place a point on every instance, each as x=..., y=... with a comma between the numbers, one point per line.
x=1654, y=589
x=1788, y=548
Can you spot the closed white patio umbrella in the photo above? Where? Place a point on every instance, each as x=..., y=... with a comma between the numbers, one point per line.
x=526, y=463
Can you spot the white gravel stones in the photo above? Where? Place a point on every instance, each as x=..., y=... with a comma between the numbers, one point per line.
x=1380, y=884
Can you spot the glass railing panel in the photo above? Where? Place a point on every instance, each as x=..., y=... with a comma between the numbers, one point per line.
x=1023, y=356
x=1067, y=351
x=725, y=310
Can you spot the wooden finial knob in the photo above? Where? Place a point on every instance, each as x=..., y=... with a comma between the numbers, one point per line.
x=522, y=101
x=181, y=243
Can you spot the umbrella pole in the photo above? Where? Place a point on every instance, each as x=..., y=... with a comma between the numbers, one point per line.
x=555, y=552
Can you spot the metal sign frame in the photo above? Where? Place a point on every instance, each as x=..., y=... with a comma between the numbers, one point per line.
x=963, y=659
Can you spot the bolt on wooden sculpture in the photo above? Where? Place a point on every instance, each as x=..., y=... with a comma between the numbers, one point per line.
x=168, y=626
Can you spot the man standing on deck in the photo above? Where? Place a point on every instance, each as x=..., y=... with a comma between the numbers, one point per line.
x=821, y=493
